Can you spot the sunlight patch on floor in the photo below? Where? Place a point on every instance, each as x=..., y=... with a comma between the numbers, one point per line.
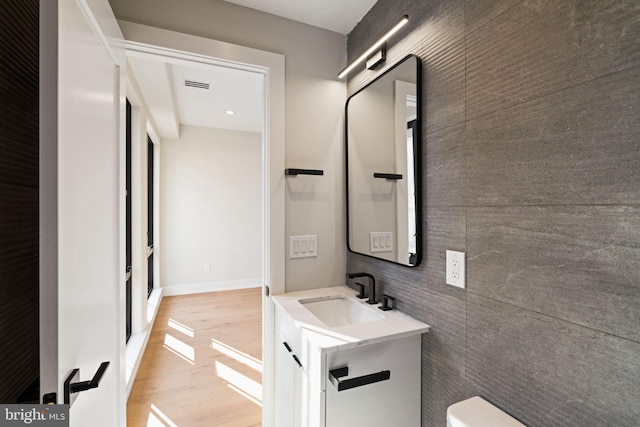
x=237, y=355
x=242, y=384
x=181, y=328
x=158, y=419
x=179, y=348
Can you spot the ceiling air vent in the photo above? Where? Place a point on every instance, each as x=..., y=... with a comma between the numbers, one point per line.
x=199, y=85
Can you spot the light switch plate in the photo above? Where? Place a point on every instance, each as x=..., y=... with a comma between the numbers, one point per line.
x=303, y=246
x=381, y=241
x=455, y=274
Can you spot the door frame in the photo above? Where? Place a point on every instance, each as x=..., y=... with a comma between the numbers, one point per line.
x=144, y=42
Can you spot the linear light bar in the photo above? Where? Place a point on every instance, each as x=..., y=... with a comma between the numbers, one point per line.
x=374, y=46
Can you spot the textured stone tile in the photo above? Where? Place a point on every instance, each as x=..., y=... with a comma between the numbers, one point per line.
x=443, y=350
x=479, y=12
x=578, y=146
x=542, y=46
x=547, y=372
x=445, y=230
x=443, y=377
x=444, y=85
x=443, y=164
x=552, y=93
x=577, y=263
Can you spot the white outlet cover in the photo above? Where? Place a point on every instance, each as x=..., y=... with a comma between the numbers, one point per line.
x=455, y=270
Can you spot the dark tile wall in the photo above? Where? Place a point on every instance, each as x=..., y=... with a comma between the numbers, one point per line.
x=532, y=167
x=19, y=286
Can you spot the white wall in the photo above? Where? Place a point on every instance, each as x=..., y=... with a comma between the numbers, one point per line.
x=314, y=113
x=210, y=210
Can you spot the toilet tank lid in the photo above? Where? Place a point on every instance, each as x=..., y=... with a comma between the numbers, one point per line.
x=477, y=412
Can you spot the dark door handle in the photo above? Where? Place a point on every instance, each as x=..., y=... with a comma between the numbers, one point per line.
x=336, y=374
x=76, y=387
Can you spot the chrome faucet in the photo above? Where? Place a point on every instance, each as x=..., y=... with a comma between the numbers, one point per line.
x=372, y=285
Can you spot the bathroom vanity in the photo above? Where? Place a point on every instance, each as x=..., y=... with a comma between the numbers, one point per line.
x=342, y=362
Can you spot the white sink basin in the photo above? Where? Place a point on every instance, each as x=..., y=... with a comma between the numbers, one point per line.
x=333, y=319
x=337, y=310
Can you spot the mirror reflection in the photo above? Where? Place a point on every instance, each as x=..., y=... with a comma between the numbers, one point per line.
x=383, y=166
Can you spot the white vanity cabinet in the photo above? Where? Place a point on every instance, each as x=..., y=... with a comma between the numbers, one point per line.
x=328, y=377
x=388, y=402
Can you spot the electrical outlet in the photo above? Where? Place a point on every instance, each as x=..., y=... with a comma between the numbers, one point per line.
x=455, y=269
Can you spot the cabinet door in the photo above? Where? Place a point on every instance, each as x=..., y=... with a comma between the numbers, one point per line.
x=287, y=395
x=391, y=402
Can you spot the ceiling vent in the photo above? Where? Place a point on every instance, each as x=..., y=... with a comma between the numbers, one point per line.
x=199, y=85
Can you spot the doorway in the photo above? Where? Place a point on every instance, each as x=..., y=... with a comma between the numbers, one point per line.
x=272, y=162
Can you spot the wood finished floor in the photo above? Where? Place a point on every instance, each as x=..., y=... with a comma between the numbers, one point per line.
x=203, y=363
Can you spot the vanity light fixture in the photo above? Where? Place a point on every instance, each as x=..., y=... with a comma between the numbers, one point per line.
x=377, y=58
x=374, y=46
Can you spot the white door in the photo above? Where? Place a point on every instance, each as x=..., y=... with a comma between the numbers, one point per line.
x=81, y=186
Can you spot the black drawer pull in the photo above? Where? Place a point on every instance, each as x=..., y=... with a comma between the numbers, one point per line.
x=336, y=374
x=297, y=360
x=287, y=347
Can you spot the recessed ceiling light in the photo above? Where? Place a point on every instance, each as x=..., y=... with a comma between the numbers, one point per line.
x=229, y=112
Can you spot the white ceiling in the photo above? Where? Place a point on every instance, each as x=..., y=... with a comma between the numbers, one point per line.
x=235, y=90
x=171, y=104
x=335, y=15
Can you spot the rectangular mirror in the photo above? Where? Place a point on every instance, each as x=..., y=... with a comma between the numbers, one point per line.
x=384, y=214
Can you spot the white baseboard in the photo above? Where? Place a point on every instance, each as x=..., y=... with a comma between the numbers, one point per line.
x=138, y=342
x=199, y=288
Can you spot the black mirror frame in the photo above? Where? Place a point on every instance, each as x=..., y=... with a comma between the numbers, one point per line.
x=417, y=161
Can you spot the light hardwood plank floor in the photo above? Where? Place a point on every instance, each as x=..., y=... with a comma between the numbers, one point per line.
x=203, y=363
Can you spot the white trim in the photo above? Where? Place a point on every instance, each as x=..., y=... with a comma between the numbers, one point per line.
x=138, y=342
x=95, y=25
x=199, y=288
x=174, y=56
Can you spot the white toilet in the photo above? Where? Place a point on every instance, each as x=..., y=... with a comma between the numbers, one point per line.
x=477, y=412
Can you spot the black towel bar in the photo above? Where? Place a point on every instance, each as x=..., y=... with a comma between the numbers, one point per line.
x=303, y=172
x=394, y=176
